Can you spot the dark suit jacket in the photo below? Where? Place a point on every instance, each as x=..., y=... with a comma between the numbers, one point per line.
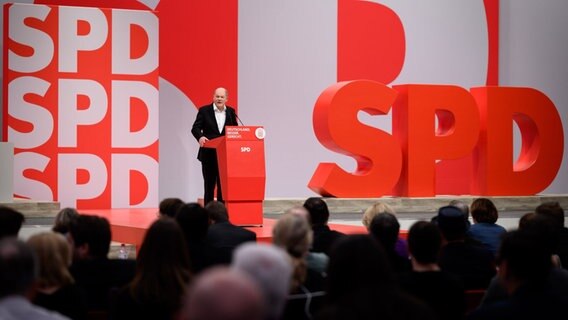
x=206, y=125
x=97, y=277
x=225, y=237
x=324, y=238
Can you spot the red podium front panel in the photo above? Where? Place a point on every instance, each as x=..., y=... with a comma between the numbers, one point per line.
x=240, y=154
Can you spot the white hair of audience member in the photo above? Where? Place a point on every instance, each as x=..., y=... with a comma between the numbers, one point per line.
x=300, y=211
x=221, y=293
x=270, y=267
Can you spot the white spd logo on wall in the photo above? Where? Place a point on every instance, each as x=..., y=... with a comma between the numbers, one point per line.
x=81, y=104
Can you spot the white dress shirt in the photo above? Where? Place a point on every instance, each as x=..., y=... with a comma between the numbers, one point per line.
x=220, y=116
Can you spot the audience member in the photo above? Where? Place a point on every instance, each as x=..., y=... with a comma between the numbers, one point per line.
x=293, y=234
x=555, y=211
x=170, y=206
x=162, y=275
x=18, y=272
x=194, y=222
x=378, y=208
x=460, y=205
x=64, y=219
x=485, y=229
x=270, y=267
x=361, y=284
x=316, y=261
x=472, y=263
x=224, y=294
x=524, y=267
x=222, y=234
x=442, y=291
x=385, y=228
x=543, y=229
x=94, y=273
x=56, y=289
x=324, y=237
x=11, y=221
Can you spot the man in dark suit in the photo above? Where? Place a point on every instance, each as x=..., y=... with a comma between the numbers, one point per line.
x=209, y=124
x=224, y=236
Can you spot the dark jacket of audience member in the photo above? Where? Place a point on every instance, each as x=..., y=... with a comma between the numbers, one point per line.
x=223, y=235
x=472, y=263
x=361, y=284
x=162, y=275
x=524, y=267
x=323, y=236
x=194, y=222
x=485, y=229
x=442, y=291
x=385, y=228
x=93, y=272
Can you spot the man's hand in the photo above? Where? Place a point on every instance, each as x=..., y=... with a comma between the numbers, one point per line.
x=202, y=141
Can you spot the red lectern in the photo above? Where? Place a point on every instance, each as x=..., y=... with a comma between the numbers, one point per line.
x=240, y=156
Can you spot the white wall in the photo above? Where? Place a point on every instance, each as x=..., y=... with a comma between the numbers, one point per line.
x=534, y=53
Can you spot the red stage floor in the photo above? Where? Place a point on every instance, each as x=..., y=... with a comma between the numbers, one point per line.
x=130, y=225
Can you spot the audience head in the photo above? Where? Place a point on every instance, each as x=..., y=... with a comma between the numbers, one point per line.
x=271, y=269
x=372, y=211
x=525, y=219
x=318, y=210
x=162, y=248
x=484, y=210
x=385, y=228
x=424, y=242
x=162, y=268
x=64, y=219
x=90, y=236
x=54, y=258
x=300, y=211
x=542, y=226
x=11, y=221
x=18, y=268
x=170, y=206
x=554, y=210
x=193, y=220
x=461, y=205
x=523, y=259
x=293, y=234
x=217, y=211
x=452, y=223
x=358, y=263
x=224, y=294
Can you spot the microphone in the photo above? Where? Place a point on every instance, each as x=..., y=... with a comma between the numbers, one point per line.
x=239, y=119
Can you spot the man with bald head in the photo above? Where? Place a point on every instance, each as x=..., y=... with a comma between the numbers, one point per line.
x=210, y=124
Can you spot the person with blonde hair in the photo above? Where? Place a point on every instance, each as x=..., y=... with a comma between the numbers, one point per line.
x=375, y=210
x=56, y=289
x=401, y=246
